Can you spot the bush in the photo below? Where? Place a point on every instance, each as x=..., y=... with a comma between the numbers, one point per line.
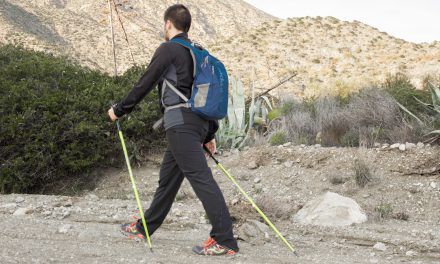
x=300, y=127
x=278, y=138
x=330, y=120
x=373, y=107
x=54, y=122
x=401, y=89
x=385, y=210
x=361, y=119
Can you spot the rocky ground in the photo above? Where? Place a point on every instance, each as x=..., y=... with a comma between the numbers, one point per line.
x=402, y=202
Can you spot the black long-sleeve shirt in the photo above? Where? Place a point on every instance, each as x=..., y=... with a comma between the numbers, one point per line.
x=168, y=54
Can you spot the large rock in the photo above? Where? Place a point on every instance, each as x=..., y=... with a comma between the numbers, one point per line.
x=330, y=209
x=253, y=230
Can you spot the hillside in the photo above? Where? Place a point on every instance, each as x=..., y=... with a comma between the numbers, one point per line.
x=327, y=53
x=80, y=28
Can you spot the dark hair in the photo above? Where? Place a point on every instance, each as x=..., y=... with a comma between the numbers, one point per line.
x=180, y=17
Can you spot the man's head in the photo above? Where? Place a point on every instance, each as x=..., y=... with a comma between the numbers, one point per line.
x=177, y=20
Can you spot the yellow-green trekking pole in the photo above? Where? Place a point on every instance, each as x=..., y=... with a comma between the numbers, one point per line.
x=133, y=183
x=220, y=166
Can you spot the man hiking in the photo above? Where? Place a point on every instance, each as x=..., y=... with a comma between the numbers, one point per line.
x=186, y=133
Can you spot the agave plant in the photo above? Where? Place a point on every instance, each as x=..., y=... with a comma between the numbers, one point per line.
x=434, y=107
x=234, y=130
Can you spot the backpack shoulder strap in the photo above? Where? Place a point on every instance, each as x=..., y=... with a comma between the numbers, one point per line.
x=189, y=46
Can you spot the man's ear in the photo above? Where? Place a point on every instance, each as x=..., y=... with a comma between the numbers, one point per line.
x=168, y=24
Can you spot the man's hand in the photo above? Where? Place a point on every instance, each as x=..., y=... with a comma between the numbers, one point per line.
x=211, y=145
x=111, y=114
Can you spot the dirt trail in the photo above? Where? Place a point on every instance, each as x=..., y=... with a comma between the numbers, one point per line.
x=85, y=229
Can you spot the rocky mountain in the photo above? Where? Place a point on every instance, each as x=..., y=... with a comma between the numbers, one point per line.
x=328, y=54
x=80, y=29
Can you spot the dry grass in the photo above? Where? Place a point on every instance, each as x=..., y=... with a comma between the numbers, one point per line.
x=362, y=173
x=369, y=116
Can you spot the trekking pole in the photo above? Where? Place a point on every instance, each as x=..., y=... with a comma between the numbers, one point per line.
x=220, y=166
x=133, y=183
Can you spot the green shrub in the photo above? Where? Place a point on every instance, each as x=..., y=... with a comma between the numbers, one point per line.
x=53, y=119
x=278, y=138
x=275, y=113
x=384, y=210
x=401, y=89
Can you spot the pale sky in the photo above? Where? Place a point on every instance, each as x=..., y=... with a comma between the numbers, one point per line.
x=413, y=20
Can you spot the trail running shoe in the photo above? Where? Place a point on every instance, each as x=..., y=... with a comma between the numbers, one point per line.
x=212, y=248
x=131, y=232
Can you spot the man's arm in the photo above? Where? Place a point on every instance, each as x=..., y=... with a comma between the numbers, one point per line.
x=159, y=63
x=210, y=137
x=213, y=127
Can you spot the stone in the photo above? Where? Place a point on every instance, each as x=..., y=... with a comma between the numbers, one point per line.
x=8, y=206
x=92, y=197
x=377, y=145
x=253, y=165
x=394, y=146
x=287, y=144
x=317, y=145
x=402, y=147
x=330, y=209
x=257, y=180
x=380, y=246
x=420, y=145
x=253, y=229
x=260, y=226
x=433, y=185
x=19, y=199
x=68, y=203
x=64, y=229
x=22, y=211
x=410, y=145
x=410, y=253
x=288, y=164
x=65, y=214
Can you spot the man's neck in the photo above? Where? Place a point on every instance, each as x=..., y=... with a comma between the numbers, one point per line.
x=172, y=35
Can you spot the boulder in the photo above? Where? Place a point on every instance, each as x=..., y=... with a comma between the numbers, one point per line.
x=330, y=209
x=380, y=246
x=253, y=230
x=23, y=211
x=395, y=146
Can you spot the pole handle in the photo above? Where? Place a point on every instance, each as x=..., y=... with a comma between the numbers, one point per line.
x=210, y=154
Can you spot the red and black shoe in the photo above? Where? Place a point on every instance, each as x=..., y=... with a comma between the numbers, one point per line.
x=212, y=248
x=130, y=230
